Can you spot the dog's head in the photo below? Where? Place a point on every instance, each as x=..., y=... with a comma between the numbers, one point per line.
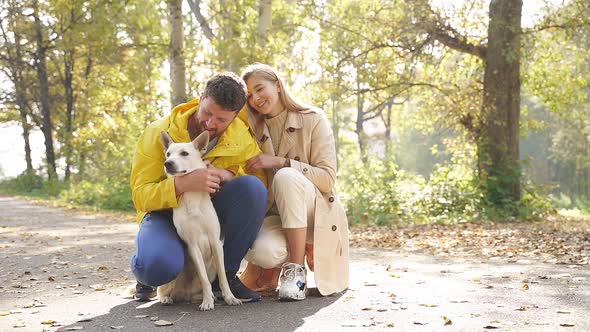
x=182, y=158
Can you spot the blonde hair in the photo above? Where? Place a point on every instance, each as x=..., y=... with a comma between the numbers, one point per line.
x=268, y=73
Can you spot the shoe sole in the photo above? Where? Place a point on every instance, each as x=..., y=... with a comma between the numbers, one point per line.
x=142, y=299
x=289, y=299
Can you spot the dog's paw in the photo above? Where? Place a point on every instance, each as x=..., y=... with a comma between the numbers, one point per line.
x=207, y=304
x=166, y=300
x=231, y=300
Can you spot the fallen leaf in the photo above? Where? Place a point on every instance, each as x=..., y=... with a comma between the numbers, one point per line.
x=162, y=322
x=525, y=286
x=390, y=324
x=48, y=322
x=523, y=308
x=82, y=320
x=118, y=327
x=563, y=312
x=447, y=320
x=19, y=324
x=428, y=305
x=366, y=309
x=490, y=327
x=141, y=316
x=98, y=287
x=567, y=325
x=419, y=323
x=73, y=328
x=393, y=275
x=4, y=313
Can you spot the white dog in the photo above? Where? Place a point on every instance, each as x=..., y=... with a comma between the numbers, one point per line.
x=197, y=225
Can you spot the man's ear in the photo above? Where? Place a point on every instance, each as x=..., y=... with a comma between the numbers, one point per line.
x=200, y=143
x=166, y=140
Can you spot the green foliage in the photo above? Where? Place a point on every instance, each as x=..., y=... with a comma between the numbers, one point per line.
x=349, y=57
x=104, y=195
x=101, y=194
x=32, y=184
x=369, y=192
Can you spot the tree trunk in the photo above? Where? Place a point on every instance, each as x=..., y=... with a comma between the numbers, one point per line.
x=336, y=128
x=360, y=132
x=264, y=20
x=26, y=132
x=498, y=142
x=387, y=123
x=69, y=95
x=16, y=68
x=46, y=125
x=175, y=53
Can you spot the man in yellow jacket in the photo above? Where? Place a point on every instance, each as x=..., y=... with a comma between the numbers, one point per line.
x=239, y=199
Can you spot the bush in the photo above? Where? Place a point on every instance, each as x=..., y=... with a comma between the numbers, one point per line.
x=103, y=195
x=369, y=192
x=25, y=184
x=451, y=194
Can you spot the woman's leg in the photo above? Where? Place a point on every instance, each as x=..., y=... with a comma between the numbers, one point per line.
x=295, y=199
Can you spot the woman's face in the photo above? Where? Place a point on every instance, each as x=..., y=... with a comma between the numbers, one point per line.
x=263, y=95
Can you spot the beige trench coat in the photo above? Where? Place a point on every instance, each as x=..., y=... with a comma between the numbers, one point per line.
x=308, y=142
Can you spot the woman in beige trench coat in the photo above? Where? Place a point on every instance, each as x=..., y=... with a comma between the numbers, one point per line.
x=306, y=220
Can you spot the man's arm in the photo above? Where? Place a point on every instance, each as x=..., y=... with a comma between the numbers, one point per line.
x=150, y=188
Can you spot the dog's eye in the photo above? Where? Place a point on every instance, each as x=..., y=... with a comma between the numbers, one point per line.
x=184, y=153
x=168, y=154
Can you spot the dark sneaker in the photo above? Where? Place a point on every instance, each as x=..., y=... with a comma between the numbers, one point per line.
x=144, y=293
x=238, y=289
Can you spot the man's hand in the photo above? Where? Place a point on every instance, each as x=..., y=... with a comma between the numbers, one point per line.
x=223, y=174
x=264, y=161
x=203, y=180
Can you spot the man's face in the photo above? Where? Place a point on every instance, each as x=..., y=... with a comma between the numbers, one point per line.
x=213, y=118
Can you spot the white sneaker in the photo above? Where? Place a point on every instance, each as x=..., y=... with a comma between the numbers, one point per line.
x=293, y=282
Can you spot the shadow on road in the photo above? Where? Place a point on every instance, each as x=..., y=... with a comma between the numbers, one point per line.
x=267, y=315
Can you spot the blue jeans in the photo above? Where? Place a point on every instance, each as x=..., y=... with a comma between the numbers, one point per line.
x=159, y=257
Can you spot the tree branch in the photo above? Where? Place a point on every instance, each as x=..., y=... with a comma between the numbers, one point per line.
x=195, y=8
x=444, y=33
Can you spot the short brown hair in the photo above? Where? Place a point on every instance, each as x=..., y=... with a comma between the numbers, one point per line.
x=227, y=90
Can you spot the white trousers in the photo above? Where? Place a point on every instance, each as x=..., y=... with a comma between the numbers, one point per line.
x=294, y=197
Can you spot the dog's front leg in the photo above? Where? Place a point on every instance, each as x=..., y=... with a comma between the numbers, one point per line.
x=228, y=296
x=197, y=256
x=165, y=292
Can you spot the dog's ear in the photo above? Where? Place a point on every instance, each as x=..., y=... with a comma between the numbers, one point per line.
x=200, y=143
x=166, y=140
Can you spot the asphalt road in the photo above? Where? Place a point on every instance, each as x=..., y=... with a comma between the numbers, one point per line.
x=63, y=270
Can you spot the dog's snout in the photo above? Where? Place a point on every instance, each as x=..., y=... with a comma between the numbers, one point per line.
x=169, y=165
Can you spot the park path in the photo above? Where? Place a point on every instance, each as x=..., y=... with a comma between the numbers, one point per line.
x=67, y=270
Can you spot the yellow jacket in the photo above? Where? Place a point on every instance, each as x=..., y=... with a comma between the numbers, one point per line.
x=151, y=190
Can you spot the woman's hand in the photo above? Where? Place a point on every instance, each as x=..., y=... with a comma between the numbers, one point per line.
x=264, y=161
